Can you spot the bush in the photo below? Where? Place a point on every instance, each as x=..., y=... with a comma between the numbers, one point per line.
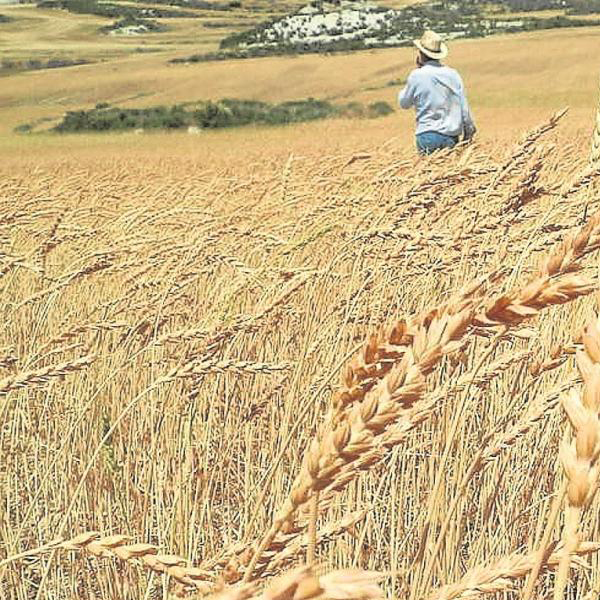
x=379, y=109
x=532, y=5
x=558, y=22
x=201, y=4
x=354, y=109
x=58, y=63
x=129, y=21
x=108, y=9
x=36, y=64
x=212, y=115
x=583, y=7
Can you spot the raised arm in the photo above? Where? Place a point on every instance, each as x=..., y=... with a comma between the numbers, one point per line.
x=406, y=97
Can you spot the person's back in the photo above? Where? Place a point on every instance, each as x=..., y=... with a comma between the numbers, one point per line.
x=438, y=95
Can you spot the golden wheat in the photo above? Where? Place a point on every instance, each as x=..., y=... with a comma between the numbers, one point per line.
x=500, y=575
x=414, y=283
x=579, y=458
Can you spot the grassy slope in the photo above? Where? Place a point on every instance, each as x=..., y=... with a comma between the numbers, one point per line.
x=37, y=33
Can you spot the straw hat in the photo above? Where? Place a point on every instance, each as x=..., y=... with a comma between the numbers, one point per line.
x=431, y=45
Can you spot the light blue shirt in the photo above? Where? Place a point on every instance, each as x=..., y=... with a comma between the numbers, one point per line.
x=438, y=95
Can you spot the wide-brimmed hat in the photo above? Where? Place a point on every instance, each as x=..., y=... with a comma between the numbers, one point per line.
x=431, y=45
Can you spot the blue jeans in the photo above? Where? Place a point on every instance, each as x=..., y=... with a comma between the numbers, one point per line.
x=429, y=141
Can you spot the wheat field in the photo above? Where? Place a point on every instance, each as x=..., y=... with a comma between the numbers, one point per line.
x=381, y=366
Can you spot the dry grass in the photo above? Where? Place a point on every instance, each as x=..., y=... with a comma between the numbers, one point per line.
x=38, y=33
x=350, y=352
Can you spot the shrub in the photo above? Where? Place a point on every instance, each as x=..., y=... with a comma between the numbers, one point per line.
x=583, y=7
x=354, y=109
x=25, y=128
x=36, y=64
x=212, y=115
x=58, y=63
x=129, y=21
x=109, y=9
x=379, y=109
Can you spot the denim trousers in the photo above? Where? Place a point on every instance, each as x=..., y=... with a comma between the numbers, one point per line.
x=429, y=141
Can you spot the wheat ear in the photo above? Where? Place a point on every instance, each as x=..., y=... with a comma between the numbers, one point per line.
x=303, y=584
x=285, y=548
x=101, y=262
x=555, y=284
x=522, y=152
x=80, y=329
x=501, y=574
x=118, y=546
x=579, y=457
x=44, y=375
x=387, y=346
x=397, y=433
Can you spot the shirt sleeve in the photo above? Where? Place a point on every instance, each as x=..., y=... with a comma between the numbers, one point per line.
x=467, y=118
x=406, y=97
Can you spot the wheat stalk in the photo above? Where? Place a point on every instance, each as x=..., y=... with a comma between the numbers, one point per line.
x=221, y=366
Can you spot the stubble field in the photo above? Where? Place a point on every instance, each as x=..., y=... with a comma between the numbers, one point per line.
x=230, y=354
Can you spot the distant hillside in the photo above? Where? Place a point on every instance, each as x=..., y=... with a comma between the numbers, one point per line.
x=324, y=26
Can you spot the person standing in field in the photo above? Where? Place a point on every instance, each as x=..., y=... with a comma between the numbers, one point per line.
x=438, y=95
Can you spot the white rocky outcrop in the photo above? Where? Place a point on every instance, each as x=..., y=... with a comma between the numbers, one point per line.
x=326, y=22
x=130, y=30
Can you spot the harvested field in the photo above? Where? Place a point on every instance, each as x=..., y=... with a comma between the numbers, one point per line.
x=216, y=371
